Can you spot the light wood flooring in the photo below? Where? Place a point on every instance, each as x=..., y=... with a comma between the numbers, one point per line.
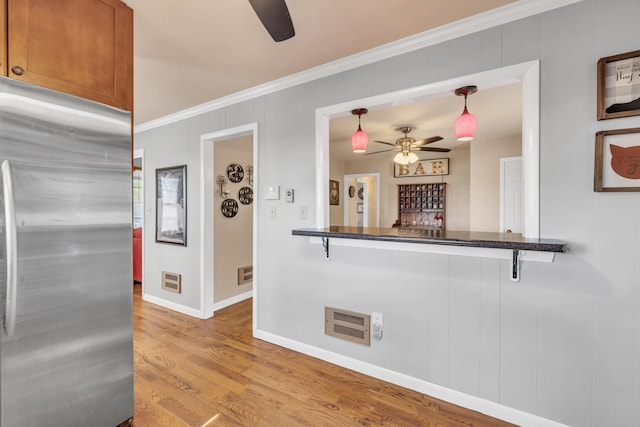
x=212, y=373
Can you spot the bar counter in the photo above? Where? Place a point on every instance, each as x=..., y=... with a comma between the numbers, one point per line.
x=474, y=239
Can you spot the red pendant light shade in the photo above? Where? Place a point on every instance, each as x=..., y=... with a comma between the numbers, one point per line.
x=359, y=139
x=466, y=123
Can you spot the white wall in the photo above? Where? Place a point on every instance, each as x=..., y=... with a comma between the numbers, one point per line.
x=233, y=242
x=562, y=344
x=484, y=179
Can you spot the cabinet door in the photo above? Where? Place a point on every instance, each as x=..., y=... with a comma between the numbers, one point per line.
x=81, y=47
x=3, y=37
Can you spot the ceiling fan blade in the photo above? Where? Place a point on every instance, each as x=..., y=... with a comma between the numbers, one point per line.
x=427, y=140
x=439, y=150
x=383, y=151
x=275, y=17
x=388, y=143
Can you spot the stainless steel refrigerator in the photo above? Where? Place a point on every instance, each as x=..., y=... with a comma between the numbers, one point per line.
x=66, y=339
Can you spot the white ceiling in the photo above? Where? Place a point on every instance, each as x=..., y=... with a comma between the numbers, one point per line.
x=189, y=53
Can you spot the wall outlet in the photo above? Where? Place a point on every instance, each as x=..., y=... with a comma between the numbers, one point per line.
x=288, y=193
x=376, y=325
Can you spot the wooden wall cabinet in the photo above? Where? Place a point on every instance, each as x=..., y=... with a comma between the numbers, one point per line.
x=422, y=205
x=81, y=47
x=3, y=37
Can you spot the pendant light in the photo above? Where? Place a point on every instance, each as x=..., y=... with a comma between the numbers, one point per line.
x=359, y=139
x=466, y=123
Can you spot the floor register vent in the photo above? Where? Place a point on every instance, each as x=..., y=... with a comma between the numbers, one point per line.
x=245, y=274
x=347, y=325
x=172, y=281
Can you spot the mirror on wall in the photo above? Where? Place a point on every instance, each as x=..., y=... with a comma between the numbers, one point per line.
x=506, y=106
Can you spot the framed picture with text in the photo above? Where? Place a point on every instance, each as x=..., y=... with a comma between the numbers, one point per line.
x=427, y=167
x=619, y=85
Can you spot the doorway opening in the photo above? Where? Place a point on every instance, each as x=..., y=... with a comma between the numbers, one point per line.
x=362, y=200
x=138, y=215
x=228, y=218
x=511, y=200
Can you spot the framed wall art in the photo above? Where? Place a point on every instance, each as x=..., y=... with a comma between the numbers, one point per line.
x=617, y=160
x=428, y=167
x=171, y=205
x=619, y=85
x=334, y=192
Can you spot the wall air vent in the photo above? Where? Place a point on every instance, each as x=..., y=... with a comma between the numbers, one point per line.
x=172, y=282
x=245, y=274
x=347, y=325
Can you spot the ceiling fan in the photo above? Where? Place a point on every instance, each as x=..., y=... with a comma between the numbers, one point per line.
x=407, y=144
x=275, y=17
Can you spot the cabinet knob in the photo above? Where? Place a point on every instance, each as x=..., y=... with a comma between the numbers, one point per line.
x=17, y=70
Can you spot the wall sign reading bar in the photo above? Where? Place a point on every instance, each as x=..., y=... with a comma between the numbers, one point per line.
x=429, y=167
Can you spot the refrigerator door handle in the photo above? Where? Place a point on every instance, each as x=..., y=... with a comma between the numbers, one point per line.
x=12, y=250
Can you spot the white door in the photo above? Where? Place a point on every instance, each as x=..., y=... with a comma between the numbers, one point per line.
x=511, y=200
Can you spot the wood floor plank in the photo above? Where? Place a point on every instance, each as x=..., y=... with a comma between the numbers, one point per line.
x=213, y=373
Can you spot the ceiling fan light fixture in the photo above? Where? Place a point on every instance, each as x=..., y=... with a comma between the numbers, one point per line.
x=359, y=139
x=466, y=124
x=401, y=159
x=405, y=158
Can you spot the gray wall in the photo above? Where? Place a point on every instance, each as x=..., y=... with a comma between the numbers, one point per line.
x=563, y=343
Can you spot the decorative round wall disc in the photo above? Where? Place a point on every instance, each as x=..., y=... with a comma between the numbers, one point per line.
x=245, y=195
x=229, y=208
x=361, y=193
x=235, y=172
x=352, y=191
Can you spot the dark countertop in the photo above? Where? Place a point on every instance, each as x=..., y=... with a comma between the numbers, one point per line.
x=475, y=239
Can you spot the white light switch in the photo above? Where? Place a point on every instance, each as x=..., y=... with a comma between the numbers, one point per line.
x=271, y=212
x=272, y=192
x=302, y=212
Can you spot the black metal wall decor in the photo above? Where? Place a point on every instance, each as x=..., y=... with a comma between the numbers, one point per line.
x=221, y=181
x=249, y=170
x=235, y=172
x=235, y=175
x=245, y=195
x=229, y=208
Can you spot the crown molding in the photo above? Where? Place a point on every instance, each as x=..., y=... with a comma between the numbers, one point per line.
x=502, y=15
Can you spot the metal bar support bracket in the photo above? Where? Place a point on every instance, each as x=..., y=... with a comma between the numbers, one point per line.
x=515, y=266
x=325, y=245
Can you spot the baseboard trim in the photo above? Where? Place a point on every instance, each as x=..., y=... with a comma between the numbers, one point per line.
x=474, y=403
x=193, y=312
x=173, y=306
x=233, y=300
